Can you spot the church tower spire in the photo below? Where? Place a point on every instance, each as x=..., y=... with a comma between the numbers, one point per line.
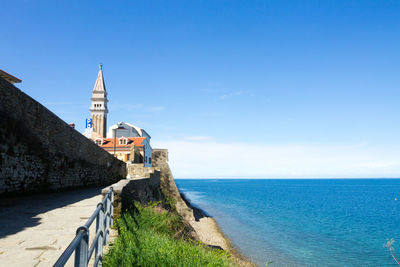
x=99, y=109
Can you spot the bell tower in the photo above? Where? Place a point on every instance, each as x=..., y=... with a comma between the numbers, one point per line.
x=98, y=108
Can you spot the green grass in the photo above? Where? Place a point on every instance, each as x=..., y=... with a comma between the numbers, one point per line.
x=151, y=236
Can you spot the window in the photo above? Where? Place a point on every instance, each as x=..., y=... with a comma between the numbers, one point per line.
x=99, y=142
x=123, y=141
x=145, y=159
x=150, y=160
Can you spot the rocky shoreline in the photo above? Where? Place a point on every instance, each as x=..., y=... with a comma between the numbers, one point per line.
x=209, y=233
x=205, y=228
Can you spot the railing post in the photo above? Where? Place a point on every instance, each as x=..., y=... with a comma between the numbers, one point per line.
x=107, y=219
x=99, y=227
x=81, y=251
x=112, y=206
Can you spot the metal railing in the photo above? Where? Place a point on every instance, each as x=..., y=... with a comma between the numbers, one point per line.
x=80, y=244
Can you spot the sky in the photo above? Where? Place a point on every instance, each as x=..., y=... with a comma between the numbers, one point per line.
x=234, y=89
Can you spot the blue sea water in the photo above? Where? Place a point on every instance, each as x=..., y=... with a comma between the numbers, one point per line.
x=324, y=222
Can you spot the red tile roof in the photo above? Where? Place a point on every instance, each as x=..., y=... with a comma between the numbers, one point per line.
x=109, y=142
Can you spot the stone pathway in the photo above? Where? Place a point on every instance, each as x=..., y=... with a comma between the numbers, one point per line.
x=34, y=231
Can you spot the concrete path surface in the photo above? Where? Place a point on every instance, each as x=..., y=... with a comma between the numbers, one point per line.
x=35, y=230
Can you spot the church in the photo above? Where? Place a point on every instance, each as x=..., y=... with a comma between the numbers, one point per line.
x=126, y=141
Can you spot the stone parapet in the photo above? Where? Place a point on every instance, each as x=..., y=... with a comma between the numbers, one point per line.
x=138, y=170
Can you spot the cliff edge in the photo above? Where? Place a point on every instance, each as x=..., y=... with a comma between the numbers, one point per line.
x=168, y=186
x=205, y=227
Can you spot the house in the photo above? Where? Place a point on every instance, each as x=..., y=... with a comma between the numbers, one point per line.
x=126, y=131
x=127, y=149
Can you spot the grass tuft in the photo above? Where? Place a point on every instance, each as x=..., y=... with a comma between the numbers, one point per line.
x=152, y=236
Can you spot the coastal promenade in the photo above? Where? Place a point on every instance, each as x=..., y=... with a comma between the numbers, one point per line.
x=35, y=230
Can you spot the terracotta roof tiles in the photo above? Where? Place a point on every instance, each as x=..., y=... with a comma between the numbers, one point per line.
x=109, y=142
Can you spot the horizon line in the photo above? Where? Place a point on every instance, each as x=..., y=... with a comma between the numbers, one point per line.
x=290, y=178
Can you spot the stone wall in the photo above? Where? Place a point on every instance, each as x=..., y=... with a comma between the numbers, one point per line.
x=143, y=190
x=138, y=170
x=168, y=186
x=160, y=156
x=40, y=152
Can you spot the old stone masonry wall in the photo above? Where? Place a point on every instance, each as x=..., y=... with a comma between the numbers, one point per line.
x=40, y=152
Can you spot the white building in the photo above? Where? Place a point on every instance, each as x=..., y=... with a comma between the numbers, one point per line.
x=124, y=129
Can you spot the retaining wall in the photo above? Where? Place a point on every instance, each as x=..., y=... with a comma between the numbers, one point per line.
x=143, y=190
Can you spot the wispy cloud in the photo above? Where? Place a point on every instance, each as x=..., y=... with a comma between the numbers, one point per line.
x=191, y=159
x=234, y=94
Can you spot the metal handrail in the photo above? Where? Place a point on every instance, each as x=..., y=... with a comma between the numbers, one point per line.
x=80, y=244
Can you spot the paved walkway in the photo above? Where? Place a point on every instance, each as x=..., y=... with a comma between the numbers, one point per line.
x=34, y=231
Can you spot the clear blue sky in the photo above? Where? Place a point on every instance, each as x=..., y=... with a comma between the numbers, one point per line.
x=224, y=75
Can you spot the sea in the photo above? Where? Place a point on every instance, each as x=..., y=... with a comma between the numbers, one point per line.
x=304, y=222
